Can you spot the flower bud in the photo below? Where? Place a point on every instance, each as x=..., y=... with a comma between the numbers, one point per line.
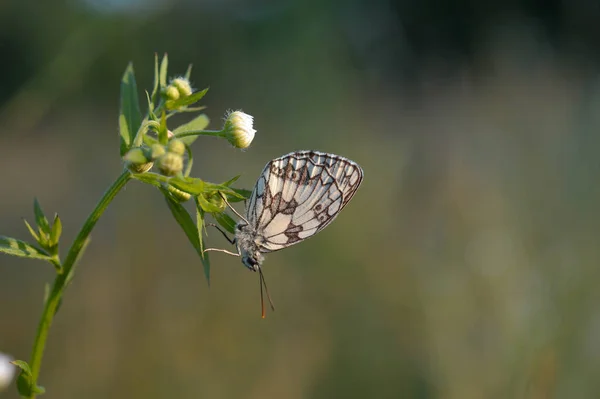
x=176, y=147
x=238, y=129
x=137, y=160
x=172, y=93
x=157, y=151
x=183, y=86
x=170, y=164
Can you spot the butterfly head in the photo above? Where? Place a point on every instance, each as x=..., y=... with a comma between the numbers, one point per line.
x=248, y=247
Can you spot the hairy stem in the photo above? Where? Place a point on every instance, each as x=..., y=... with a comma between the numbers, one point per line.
x=68, y=268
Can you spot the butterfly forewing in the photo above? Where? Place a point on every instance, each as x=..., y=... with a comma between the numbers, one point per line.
x=299, y=194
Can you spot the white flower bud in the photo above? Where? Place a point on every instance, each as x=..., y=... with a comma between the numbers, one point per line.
x=7, y=371
x=238, y=129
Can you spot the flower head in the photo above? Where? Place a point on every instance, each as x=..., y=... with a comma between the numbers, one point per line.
x=238, y=129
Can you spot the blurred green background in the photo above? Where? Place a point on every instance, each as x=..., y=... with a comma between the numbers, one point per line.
x=467, y=265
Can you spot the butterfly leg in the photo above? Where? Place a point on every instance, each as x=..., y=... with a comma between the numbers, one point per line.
x=231, y=241
x=232, y=208
x=221, y=250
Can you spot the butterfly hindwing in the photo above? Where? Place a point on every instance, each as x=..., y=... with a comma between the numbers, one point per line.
x=299, y=194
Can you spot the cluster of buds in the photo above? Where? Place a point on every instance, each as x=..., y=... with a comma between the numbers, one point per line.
x=178, y=88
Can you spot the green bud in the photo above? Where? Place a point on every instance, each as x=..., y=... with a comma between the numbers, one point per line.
x=176, y=147
x=157, y=151
x=170, y=164
x=137, y=160
x=172, y=93
x=183, y=86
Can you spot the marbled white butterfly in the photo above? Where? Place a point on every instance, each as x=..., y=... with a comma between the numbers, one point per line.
x=296, y=196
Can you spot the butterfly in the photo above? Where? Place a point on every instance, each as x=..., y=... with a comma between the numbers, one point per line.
x=296, y=196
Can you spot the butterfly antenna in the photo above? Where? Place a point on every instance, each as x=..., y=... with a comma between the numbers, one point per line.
x=262, y=303
x=232, y=208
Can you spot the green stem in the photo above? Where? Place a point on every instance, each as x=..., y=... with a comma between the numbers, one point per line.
x=218, y=133
x=62, y=280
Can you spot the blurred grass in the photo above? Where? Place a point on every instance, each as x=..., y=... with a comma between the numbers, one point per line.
x=465, y=267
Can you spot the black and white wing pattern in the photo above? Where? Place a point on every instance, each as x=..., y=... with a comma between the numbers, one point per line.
x=299, y=194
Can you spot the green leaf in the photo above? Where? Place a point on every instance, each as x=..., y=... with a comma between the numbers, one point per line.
x=31, y=231
x=164, y=65
x=156, y=81
x=190, y=161
x=187, y=224
x=198, y=123
x=163, y=136
x=241, y=195
x=226, y=221
x=191, y=185
x=129, y=116
x=25, y=384
x=12, y=246
x=231, y=181
x=188, y=73
x=56, y=231
x=150, y=106
x=40, y=218
x=182, y=102
x=204, y=255
x=206, y=205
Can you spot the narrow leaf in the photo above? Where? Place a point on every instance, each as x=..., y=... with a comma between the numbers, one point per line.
x=241, y=195
x=31, y=231
x=184, y=219
x=182, y=102
x=225, y=221
x=191, y=229
x=188, y=73
x=129, y=116
x=198, y=123
x=190, y=161
x=40, y=218
x=164, y=65
x=203, y=255
x=153, y=179
x=206, y=205
x=12, y=246
x=56, y=231
x=163, y=136
x=156, y=81
x=231, y=181
x=191, y=185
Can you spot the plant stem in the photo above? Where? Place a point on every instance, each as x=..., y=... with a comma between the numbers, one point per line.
x=68, y=268
x=218, y=133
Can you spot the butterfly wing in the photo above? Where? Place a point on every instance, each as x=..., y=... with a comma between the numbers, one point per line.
x=299, y=194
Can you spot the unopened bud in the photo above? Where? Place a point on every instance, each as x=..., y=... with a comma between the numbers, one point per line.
x=137, y=160
x=238, y=129
x=170, y=164
x=183, y=86
x=176, y=147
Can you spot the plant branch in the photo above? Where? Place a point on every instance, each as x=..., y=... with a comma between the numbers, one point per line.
x=68, y=268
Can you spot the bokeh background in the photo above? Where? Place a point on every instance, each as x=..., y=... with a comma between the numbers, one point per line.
x=467, y=266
